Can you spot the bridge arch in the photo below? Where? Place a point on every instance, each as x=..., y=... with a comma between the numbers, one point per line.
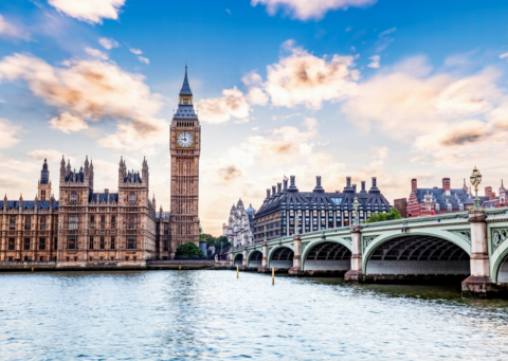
x=422, y=253
x=254, y=259
x=499, y=263
x=281, y=257
x=327, y=255
x=238, y=260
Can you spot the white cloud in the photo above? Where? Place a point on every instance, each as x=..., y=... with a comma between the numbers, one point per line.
x=299, y=78
x=139, y=55
x=232, y=105
x=375, y=62
x=10, y=30
x=92, y=11
x=136, y=51
x=442, y=117
x=108, y=43
x=95, y=91
x=68, y=123
x=306, y=9
x=96, y=53
x=9, y=133
x=503, y=55
x=52, y=155
x=144, y=60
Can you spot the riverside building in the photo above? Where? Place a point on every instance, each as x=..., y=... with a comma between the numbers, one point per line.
x=85, y=228
x=286, y=210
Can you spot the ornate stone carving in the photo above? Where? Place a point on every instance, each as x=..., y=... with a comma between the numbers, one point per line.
x=498, y=236
x=366, y=240
x=464, y=233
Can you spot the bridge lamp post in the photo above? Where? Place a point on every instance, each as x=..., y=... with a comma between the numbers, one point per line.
x=356, y=207
x=476, y=179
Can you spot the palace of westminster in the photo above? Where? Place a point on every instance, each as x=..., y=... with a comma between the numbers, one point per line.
x=86, y=229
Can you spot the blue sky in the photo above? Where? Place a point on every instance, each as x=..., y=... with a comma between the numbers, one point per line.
x=393, y=89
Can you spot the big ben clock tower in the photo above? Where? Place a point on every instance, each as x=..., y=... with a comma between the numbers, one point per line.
x=184, y=144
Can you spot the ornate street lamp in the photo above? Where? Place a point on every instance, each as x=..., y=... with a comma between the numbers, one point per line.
x=356, y=207
x=476, y=179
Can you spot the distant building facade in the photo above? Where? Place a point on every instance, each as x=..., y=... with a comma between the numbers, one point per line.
x=240, y=227
x=435, y=200
x=286, y=211
x=86, y=228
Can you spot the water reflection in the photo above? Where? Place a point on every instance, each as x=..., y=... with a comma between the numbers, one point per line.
x=209, y=315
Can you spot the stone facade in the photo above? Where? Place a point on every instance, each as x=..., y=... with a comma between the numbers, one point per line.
x=89, y=229
x=185, y=148
x=240, y=227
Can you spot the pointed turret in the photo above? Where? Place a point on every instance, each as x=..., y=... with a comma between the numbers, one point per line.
x=185, y=90
x=44, y=185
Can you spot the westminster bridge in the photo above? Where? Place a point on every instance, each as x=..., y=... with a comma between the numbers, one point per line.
x=472, y=245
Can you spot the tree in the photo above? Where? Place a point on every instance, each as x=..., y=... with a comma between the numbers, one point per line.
x=384, y=216
x=188, y=251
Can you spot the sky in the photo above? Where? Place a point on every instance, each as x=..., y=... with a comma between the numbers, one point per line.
x=362, y=88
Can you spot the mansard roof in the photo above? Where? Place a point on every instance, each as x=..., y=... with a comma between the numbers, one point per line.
x=30, y=204
x=455, y=196
x=291, y=198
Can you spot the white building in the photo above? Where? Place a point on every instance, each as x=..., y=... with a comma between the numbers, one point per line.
x=239, y=229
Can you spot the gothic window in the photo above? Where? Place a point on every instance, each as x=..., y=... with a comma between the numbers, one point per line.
x=12, y=244
x=26, y=244
x=28, y=223
x=73, y=222
x=92, y=221
x=102, y=244
x=42, y=223
x=73, y=198
x=112, y=245
x=131, y=242
x=43, y=195
x=12, y=223
x=132, y=198
x=72, y=242
x=131, y=222
x=90, y=243
x=103, y=222
x=113, y=221
x=42, y=243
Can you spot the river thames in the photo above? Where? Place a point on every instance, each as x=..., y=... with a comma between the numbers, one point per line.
x=210, y=315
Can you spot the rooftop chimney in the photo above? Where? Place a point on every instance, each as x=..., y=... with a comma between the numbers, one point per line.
x=318, y=187
x=414, y=185
x=285, y=184
x=292, y=184
x=267, y=192
x=374, y=182
x=273, y=190
x=446, y=184
x=348, y=182
x=279, y=187
x=363, y=186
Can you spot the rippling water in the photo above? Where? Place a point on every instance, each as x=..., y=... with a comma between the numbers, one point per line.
x=209, y=315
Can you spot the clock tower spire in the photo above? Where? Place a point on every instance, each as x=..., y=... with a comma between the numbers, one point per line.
x=185, y=147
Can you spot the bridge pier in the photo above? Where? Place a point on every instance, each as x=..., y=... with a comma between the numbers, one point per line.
x=296, y=270
x=245, y=260
x=355, y=274
x=479, y=282
x=264, y=259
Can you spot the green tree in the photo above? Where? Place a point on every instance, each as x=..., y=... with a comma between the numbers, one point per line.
x=384, y=216
x=188, y=251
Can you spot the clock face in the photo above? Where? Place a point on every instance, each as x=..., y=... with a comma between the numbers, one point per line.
x=184, y=139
